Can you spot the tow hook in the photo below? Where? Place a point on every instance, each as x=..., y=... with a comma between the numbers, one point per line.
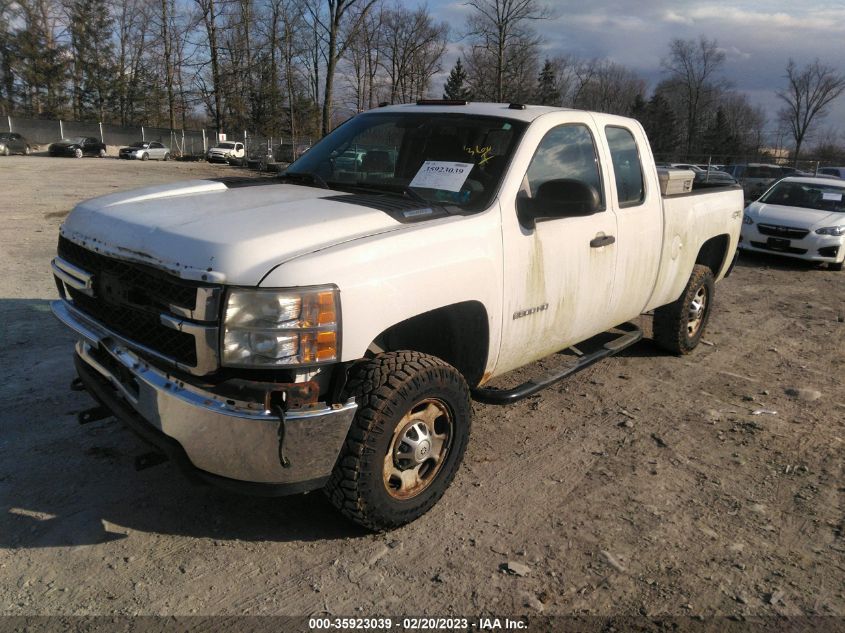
x=92, y=415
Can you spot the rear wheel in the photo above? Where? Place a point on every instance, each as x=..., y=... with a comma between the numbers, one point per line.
x=77, y=153
x=836, y=265
x=27, y=150
x=145, y=156
x=679, y=326
x=167, y=157
x=406, y=441
x=6, y=151
x=102, y=153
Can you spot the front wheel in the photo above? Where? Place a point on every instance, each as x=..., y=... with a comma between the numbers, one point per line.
x=27, y=150
x=679, y=326
x=77, y=153
x=166, y=157
x=406, y=441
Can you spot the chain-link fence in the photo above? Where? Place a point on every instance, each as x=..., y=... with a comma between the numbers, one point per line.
x=41, y=132
x=271, y=153
x=781, y=158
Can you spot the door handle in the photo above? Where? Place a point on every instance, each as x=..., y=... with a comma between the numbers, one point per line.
x=602, y=240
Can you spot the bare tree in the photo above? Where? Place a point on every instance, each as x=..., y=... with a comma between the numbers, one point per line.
x=328, y=20
x=745, y=121
x=131, y=24
x=208, y=18
x=500, y=31
x=605, y=86
x=413, y=48
x=809, y=92
x=363, y=59
x=695, y=65
x=519, y=75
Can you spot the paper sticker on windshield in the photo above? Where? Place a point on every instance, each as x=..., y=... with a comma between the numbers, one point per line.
x=440, y=174
x=828, y=195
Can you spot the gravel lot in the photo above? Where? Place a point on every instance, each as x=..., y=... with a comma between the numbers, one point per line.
x=646, y=486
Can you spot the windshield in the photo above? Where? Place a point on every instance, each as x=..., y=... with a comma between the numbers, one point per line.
x=77, y=140
x=455, y=159
x=807, y=195
x=225, y=146
x=141, y=144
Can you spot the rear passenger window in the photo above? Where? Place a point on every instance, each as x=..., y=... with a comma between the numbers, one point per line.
x=626, y=166
x=566, y=152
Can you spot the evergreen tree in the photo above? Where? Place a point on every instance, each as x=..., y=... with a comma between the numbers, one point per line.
x=661, y=126
x=456, y=85
x=93, y=58
x=39, y=64
x=719, y=140
x=639, y=108
x=548, y=91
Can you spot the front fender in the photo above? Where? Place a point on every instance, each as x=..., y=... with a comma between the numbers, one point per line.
x=388, y=278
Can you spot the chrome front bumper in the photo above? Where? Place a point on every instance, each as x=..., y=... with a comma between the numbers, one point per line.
x=224, y=437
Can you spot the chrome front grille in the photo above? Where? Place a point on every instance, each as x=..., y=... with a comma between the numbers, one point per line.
x=172, y=319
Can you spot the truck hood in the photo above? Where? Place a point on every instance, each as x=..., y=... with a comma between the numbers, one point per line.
x=208, y=230
x=797, y=217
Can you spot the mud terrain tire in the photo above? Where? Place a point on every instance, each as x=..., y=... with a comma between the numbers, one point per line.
x=679, y=326
x=406, y=441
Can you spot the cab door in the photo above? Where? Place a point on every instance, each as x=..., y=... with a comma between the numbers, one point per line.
x=90, y=146
x=635, y=198
x=559, y=273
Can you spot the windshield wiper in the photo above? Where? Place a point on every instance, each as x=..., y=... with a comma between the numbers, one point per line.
x=310, y=178
x=397, y=190
x=409, y=191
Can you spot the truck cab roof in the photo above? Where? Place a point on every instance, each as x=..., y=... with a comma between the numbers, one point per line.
x=525, y=113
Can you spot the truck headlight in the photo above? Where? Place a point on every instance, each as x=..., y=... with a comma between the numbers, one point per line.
x=272, y=328
x=832, y=230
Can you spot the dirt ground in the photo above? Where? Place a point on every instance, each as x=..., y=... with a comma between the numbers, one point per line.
x=645, y=486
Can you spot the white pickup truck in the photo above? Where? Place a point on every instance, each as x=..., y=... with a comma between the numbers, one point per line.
x=226, y=152
x=328, y=329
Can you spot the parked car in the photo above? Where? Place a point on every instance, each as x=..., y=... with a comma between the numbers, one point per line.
x=704, y=176
x=13, y=143
x=838, y=172
x=286, y=153
x=756, y=178
x=78, y=147
x=145, y=150
x=799, y=217
x=226, y=152
x=320, y=330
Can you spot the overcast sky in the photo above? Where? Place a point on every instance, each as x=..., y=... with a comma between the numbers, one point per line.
x=758, y=38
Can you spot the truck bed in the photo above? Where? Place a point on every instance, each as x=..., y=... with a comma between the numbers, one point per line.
x=690, y=220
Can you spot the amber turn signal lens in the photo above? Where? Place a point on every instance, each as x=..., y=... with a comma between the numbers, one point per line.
x=326, y=346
